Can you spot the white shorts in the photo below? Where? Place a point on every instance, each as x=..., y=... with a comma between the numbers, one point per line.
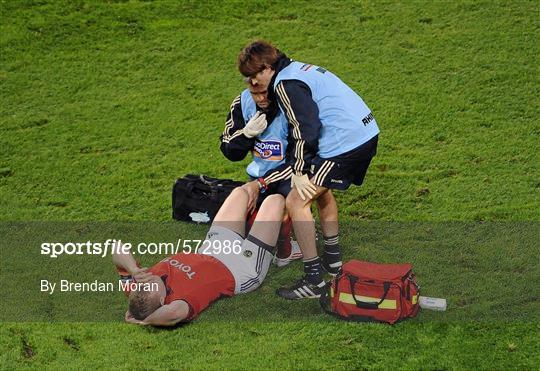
x=247, y=261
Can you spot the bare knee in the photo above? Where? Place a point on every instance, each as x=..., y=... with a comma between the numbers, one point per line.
x=276, y=199
x=294, y=202
x=325, y=198
x=239, y=193
x=327, y=202
x=272, y=208
x=232, y=209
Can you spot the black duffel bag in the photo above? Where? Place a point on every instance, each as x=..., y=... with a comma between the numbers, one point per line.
x=197, y=198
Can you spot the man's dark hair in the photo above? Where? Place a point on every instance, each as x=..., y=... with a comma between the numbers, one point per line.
x=142, y=304
x=256, y=57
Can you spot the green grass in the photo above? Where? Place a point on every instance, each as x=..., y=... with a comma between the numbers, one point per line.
x=299, y=345
x=104, y=104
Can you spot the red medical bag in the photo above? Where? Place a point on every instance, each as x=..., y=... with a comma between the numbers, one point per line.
x=370, y=292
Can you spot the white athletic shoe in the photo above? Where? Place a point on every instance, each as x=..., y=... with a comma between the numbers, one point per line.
x=295, y=255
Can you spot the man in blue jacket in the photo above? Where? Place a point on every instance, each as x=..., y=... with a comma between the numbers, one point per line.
x=254, y=124
x=333, y=139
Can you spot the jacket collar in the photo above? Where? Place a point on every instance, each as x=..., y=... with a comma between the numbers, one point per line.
x=280, y=64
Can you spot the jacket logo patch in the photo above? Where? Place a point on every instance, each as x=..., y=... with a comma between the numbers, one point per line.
x=271, y=150
x=366, y=120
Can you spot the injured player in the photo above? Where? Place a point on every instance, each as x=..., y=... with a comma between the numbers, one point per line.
x=187, y=283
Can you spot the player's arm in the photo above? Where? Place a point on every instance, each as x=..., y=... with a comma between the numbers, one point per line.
x=123, y=259
x=282, y=172
x=168, y=314
x=253, y=188
x=302, y=113
x=234, y=144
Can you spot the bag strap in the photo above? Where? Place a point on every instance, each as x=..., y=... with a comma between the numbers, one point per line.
x=208, y=182
x=211, y=186
x=364, y=304
x=324, y=301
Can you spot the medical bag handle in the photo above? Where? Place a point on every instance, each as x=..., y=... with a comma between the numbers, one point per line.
x=364, y=304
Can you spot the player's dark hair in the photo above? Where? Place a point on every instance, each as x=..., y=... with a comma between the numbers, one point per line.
x=256, y=56
x=142, y=304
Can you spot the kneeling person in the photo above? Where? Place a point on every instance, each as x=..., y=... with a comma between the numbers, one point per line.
x=188, y=283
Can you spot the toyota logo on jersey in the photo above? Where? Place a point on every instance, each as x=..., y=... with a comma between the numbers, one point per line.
x=271, y=150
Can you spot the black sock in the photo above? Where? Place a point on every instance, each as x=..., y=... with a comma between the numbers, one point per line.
x=313, y=270
x=332, y=252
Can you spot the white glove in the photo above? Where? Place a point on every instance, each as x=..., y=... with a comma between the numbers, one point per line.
x=303, y=185
x=255, y=125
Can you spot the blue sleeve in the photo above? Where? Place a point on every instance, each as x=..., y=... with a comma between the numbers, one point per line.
x=302, y=113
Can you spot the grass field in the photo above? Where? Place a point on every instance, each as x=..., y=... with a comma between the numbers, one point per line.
x=104, y=104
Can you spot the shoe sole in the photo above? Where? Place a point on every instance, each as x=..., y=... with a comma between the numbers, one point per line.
x=296, y=256
x=281, y=262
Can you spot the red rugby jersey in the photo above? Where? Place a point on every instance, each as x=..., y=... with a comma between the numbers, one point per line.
x=197, y=279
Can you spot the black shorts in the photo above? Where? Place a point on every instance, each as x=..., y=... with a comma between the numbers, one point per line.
x=282, y=187
x=340, y=171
